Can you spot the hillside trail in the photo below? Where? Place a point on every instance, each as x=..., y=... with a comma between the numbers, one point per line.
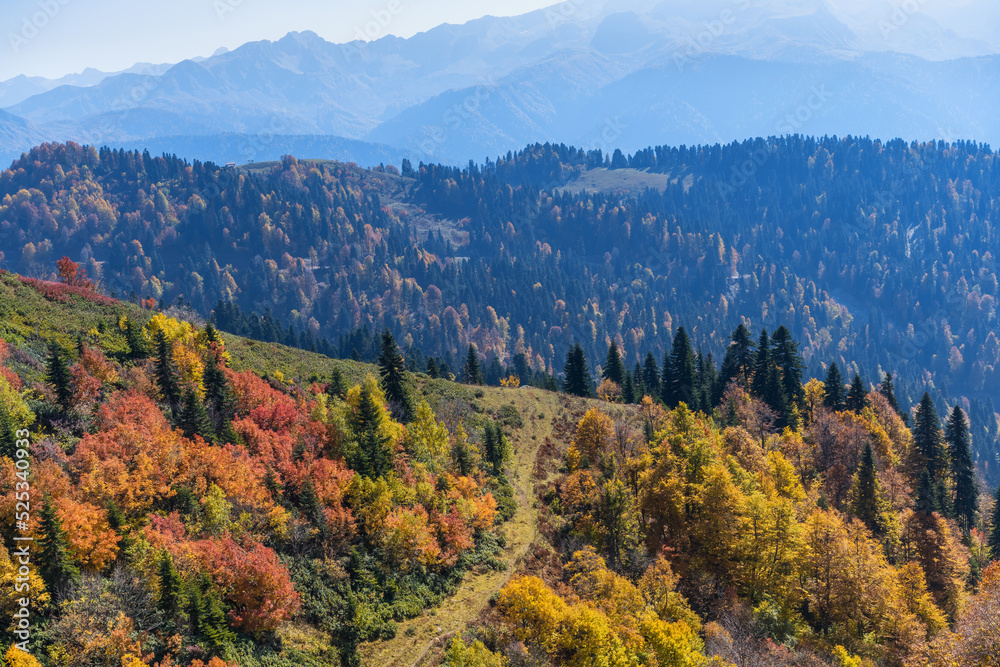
x=417, y=638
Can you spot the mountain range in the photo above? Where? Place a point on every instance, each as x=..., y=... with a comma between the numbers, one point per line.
x=594, y=75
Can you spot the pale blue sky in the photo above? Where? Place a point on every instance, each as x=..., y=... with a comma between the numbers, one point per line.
x=56, y=37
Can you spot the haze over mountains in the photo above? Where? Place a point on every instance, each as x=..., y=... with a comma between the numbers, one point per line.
x=586, y=73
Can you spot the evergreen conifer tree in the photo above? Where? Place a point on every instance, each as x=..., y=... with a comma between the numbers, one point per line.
x=432, y=368
x=335, y=388
x=857, y=397
x=194, y=419
x=833, y=391
x=683, y=369
x=576, y=375
x=171, y=586
x=471, y=372
x=638, y=383
x=614, y=369
x=165, y=370
x=887, y=390
x=58, y=375
x=668, y=385
x=55, y=565
x=931, y=454
x=371, y=457
x=392, y=370
x=651, y=376
x=966, y=496
x=785, y=352
x=762, y=363
x=868, y=502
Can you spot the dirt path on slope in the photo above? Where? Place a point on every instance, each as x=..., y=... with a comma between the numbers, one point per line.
x=417, y=637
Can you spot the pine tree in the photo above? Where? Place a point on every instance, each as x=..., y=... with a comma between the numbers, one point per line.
x=994, y=539
x=392, y=370
x=614, y=369
x=208, y=617
x=165, y=370
x=576, y=375
x=57, y=374
x=651, y=376
x=966, y=496
x=432, y=369
x=857, y=397
x=55, y=565
x=931, y=454
x=682, y=369
x=194, y=419
x=833, y=390
x=762, y=363
x=868, y=502
x=171, y=586
x=785, y=352
x=471, y=373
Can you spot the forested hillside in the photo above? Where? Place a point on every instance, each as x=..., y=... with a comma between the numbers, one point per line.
x=195, y=498
x=875, y=255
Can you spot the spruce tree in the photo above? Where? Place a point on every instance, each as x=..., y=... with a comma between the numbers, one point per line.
x=668, y=385
x=931, y=454
x=857, y=397
x=737, y=364
x=496, y=448
x=371, y=457
x=785, y=352
x=576, y=375
x=471, y=373
x=55, y=565
x=833, y=391
x=651, y=376
x=966, y=496
x=165, y=370
x=58, y=375
x=867, y=501
x=171, y=586
x=682, y=369
x=432, y=369
x=774, y=396
x=392, y=370
x=628, y=389
x=336, y=388
x=762, y=363
x=194, y=419
x=8, y=435
x=137, y=348
x=638, y=382
x=614, y=369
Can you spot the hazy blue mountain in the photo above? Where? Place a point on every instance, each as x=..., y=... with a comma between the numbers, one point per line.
x=16, y=136
x=600, y=75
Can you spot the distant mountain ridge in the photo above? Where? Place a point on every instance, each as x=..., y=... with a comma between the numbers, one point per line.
x=651, y=72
